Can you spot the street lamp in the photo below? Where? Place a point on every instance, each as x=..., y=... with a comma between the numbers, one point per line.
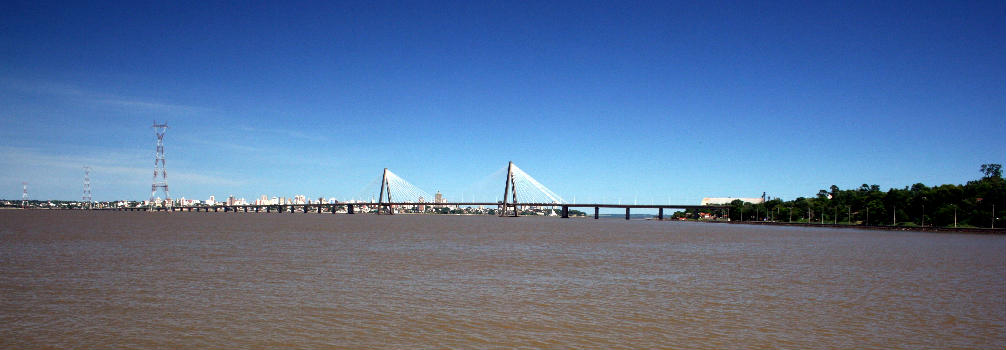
x=924, y=212
x=955, y=215
x=895, y=215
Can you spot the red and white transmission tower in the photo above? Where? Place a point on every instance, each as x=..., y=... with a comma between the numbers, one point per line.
x=86, y=198
x=159, y=130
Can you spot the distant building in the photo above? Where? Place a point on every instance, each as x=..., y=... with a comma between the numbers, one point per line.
x=727, y=200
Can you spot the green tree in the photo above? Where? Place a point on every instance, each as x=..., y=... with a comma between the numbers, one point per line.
x=992, y=170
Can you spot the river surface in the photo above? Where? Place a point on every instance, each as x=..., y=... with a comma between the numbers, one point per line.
x=71, y=279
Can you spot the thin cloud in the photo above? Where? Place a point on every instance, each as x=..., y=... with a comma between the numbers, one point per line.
x=287, y=133
x=73, y=93
x=149, y=106
x=33, y=161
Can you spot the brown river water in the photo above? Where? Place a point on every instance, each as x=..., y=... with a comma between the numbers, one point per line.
x=71, y=279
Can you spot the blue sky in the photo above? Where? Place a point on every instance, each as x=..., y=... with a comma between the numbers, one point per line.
x=641, y=101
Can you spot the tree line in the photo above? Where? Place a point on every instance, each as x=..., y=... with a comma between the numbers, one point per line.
x=979, y=203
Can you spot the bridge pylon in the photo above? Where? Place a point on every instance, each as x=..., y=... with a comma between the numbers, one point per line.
x=509, y=190
x=385, y=191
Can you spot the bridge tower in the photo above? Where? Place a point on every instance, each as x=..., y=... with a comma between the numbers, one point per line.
x=159, y=130
x=385, y=188
x=509, y=189
x=24, y=195
x=86, y=198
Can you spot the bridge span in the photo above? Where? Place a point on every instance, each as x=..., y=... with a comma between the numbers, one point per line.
x=387, y=208
x=520, y=192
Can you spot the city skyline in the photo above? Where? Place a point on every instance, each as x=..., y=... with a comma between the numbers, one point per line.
x=641, y=102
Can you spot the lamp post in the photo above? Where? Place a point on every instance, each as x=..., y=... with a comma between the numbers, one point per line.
x=924, y=212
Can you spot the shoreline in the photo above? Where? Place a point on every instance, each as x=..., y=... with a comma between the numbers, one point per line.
x=990, y=231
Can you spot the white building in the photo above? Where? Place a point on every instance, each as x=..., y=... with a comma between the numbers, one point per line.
x=727, y=200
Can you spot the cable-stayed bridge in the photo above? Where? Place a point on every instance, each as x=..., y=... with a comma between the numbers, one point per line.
x=396, y=195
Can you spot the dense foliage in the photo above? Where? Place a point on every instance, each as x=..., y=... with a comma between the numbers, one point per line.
x=979, y=203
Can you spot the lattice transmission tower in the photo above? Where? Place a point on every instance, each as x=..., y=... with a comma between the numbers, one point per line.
x=159, y=168
x=24, y=195
x=86, y=198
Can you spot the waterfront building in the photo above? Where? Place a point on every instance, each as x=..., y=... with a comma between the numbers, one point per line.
x=727, y=200
x=439, y=198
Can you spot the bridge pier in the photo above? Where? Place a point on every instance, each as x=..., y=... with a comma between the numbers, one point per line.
x=626, y=213
x=597, y=211
x=660, y=214
x=349, y=209
x=333, y=208
x=565, y=212
x=305, y=208
x=319, y=208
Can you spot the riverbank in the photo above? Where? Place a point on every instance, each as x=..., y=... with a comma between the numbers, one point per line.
x=998, y=231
